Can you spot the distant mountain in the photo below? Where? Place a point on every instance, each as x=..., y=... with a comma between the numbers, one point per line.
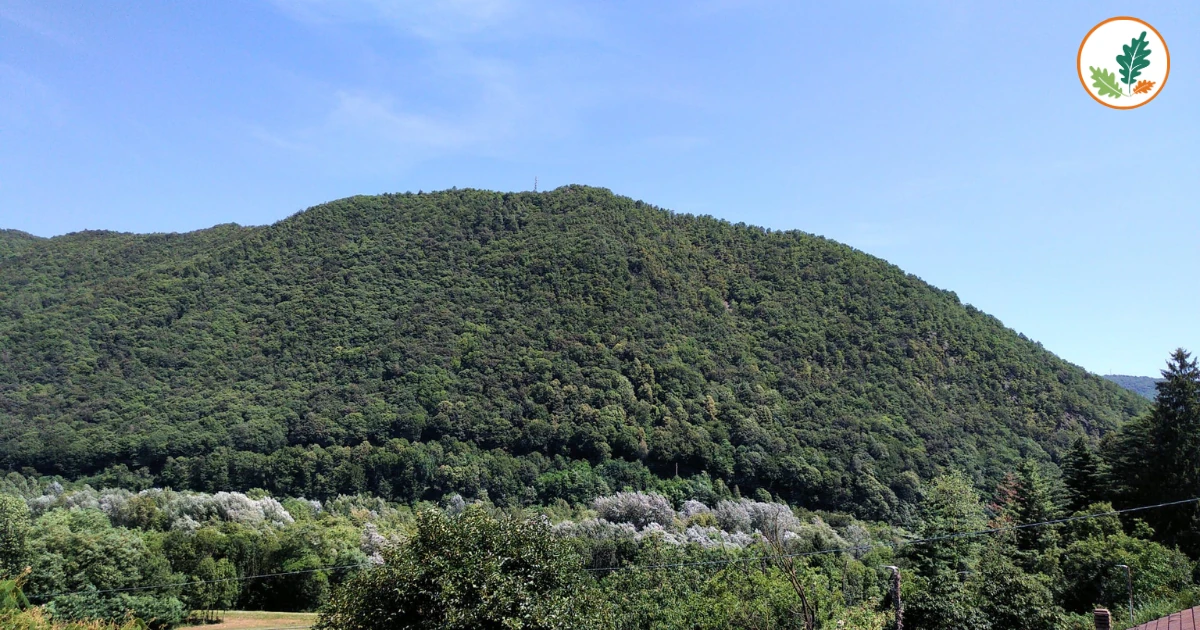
x=525, y=347
x=1140, y=385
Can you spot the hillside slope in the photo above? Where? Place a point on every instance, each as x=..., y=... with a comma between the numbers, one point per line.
x=527, y=346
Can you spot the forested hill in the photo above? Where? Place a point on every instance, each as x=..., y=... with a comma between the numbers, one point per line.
x=530, y=346
x=13, y=242
x=1141, y=385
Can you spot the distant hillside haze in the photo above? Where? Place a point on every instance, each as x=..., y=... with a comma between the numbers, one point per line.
x=1141, y=385
x=528, y=347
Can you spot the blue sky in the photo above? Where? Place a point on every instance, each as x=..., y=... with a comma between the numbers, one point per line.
x=950, y=138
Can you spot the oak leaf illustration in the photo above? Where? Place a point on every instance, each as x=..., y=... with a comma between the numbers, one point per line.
x=1105, y=82
x=1134, y=60
x=1143, y=87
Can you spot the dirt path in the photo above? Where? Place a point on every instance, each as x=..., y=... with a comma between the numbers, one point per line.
x=259, y=620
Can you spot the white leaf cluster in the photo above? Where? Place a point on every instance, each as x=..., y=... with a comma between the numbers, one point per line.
x=641, y=516
x=372, y=543
x=692, y=507
x=184, y=510
x=637, y=508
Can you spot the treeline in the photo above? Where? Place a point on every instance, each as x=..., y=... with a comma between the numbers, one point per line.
x=468, y=341
x=1005, y=558
x=408, y=472
x=159, y=555
x=642, y=564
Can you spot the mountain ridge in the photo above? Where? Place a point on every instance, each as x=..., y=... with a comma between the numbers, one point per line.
x=1143, y=386
x=516, y=343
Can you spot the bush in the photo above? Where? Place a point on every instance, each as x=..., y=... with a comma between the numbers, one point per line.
x=14, y=529
x=155, y=612
x=637, y=508
x=37, y=619
x=470, y=570
x=1090, y=574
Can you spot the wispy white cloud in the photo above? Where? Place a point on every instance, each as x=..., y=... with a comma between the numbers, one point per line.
x=478, y=85
x=25, y=16
x=379, y=116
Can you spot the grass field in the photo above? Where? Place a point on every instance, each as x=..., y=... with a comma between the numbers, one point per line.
x=261, y=620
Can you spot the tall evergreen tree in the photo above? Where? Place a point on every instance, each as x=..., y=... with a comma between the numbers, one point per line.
x=1157, y=458
x=1037, y=547
x=950, y=506
x=1084, y=476
x=1035, y=504
x=1176, y=420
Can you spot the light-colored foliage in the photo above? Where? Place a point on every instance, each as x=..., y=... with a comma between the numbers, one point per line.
x=637, y=508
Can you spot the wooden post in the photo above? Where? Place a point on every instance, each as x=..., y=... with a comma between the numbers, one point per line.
x=896, y=597
x=1129, y=586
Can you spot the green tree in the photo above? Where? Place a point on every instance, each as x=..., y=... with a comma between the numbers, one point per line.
x=950, y=506
x=215, y=587
x=1037, y=547
x=471, y=570
x=1090, y=574
x=79, y=550
x=1083, y=475
x=14, y=533
x=940, y=600
x=1157, y=457
x=12, y=595
x=1010, y=598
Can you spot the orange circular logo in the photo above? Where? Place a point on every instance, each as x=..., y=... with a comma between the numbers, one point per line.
x=1123, y=63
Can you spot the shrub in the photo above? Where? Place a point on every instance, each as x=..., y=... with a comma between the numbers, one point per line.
x=470, y=570
x=156, y=612
x=37, y=619
x=14, y=531
x=637, y=508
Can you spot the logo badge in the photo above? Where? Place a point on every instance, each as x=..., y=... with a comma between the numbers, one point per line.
x=1123, y=63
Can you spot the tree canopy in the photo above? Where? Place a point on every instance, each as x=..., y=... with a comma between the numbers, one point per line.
x=523, y=347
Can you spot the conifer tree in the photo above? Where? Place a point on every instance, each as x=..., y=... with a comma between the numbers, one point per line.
x=1175, y=420
x=1083, y=475
x=1037, y=547
x=1035, y=504
x=950, y=506
x=1157, y=458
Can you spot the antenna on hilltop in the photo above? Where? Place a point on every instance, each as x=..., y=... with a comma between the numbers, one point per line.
x=535, y=183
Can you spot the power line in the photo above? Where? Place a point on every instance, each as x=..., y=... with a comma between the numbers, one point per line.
x=903, y=543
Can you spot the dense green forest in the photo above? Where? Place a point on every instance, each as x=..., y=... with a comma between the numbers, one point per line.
x=521, y=348
x=13, y=242
x=1001, y=559
x=1140, y=385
